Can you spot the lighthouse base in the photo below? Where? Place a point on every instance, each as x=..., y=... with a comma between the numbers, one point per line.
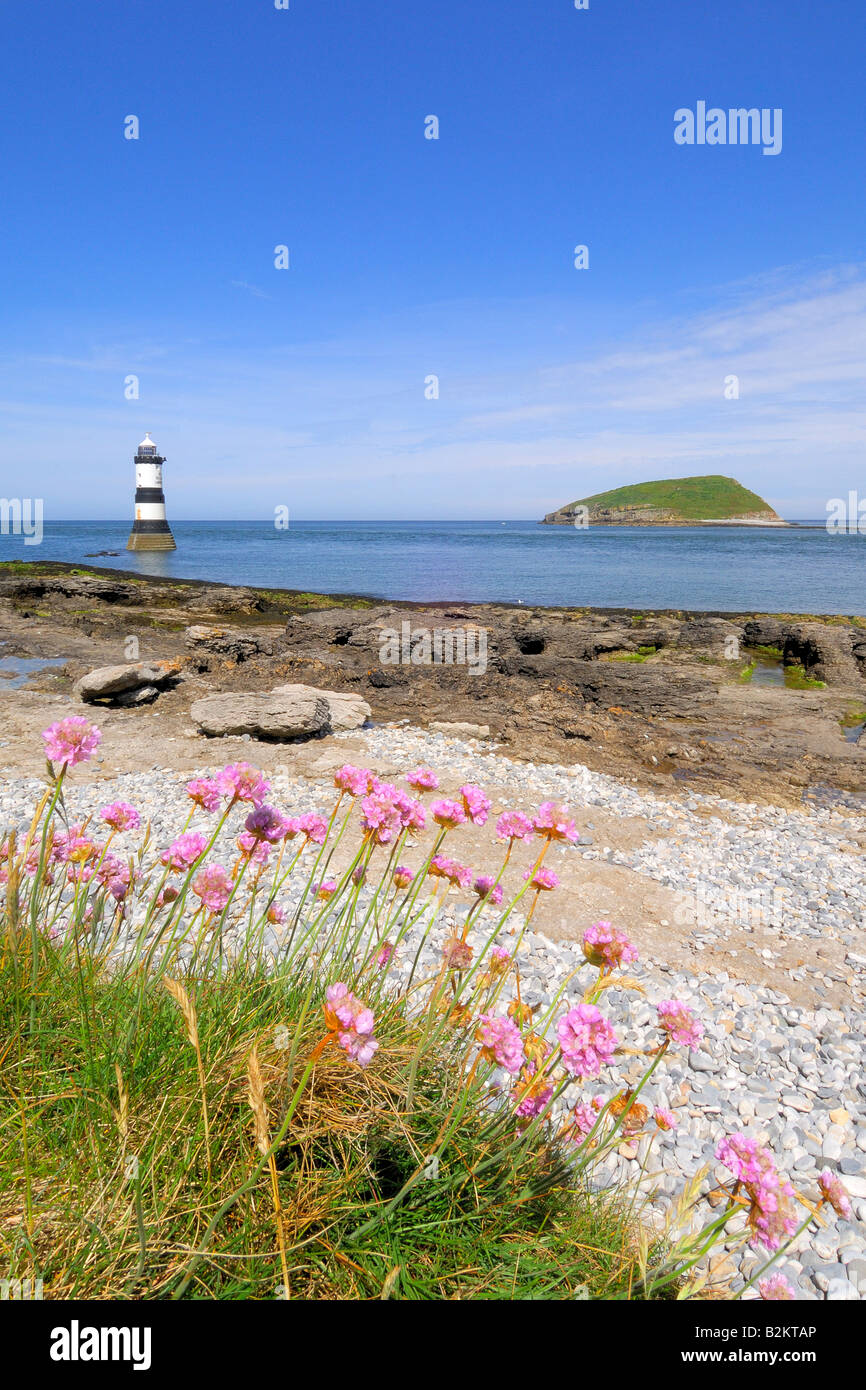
x=151, y=540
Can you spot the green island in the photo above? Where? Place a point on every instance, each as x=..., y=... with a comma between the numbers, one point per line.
x=709, y=499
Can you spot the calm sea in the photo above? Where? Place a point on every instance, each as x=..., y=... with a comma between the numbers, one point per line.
x=803, y=570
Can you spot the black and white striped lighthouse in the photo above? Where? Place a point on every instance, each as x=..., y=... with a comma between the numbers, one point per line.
x=150, y=530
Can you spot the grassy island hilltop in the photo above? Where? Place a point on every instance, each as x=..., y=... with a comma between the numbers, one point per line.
x=708, y=499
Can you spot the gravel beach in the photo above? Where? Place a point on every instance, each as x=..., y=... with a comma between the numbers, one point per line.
x=789, y=1075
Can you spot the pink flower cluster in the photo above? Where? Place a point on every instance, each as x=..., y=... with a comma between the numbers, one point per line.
x=72, y=740
x=114, y=874
x=121, y=816
x=387, y=811
x=69, y=844
x=679, y=1022
x=554, y=822
x=352, y=1022
x=214, y=886
x=266, y=823
x=606, y=947
x=487, y=888
x=583, y=1118
x=586, y=1040
x=423, y=779
x=443, y=867
x=448, y=814
x=243, y=782
x=776, y=1288
x=205, y=793
x=771, y=1215
x=514, y=825
x=535, y=1093
x=357, y=781
x=252, y=848
x=543, y=880
x=475, y=804
x=833, y=1191
x=501, y=1042
x=184, y=851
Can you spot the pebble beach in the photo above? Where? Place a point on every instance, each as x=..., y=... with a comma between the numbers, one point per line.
x=790, y=1076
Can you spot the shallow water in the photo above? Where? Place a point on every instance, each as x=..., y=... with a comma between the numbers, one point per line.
x=23, y=668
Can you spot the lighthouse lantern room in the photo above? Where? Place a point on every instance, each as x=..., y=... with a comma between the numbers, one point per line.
x=150, y=530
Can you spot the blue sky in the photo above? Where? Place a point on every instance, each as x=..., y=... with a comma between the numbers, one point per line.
x=412, y=257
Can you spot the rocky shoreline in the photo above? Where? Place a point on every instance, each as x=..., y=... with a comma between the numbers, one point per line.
x=754, y=706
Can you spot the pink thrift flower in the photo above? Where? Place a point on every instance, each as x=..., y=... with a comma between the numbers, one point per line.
x=204, y=792
x=380, y=818
x=213, y=885
x=354, y=780
x=771, y=1214
x=679, y=1022
x=121, y=816
x=326, y=889
x=276, y=915
x=665, y=1119
x=535, y=1094
x=184, y=851
x=112, y=868
x=554, y=822
x=475, y=804
x=412, y=813
x=586, y=1040
x=583, y=1118
x=487, y=888
x=69, y=845
x=447, y=813
x=544, y=880
x=777, y=1288
x=606, y=947
x=255, y=850
x=423, y=779
x=514, y=825
x=833, y=1191
x=443, y=867
x=266, y=823
x=359, y=875
x=166, y=895
x=501, y=1042
x=314, y=827
x=403, y=876
x=72, y=740
x=384, y=954
x=457, y=954
x=352, y=1022
x=243, y=782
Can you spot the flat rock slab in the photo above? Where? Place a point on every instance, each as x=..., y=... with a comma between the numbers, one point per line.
x=344, y=711
x=277, y=715
x=115, y=682
x=288, y=711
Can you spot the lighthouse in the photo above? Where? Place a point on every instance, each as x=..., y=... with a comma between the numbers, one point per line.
x=150, y=530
